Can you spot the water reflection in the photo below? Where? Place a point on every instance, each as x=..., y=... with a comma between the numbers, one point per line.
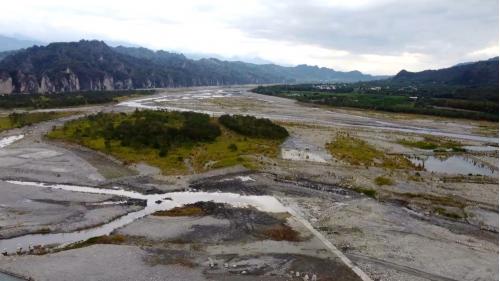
x=453, y=165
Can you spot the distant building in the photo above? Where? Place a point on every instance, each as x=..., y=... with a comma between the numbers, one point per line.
x=325, y=87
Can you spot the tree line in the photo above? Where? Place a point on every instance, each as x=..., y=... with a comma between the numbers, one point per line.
x=54, y=100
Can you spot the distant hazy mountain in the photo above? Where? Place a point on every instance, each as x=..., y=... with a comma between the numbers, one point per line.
x=4, y=54
x=10, y=43
x=254, y=60
x=93, y=65
x=469, y=74
x=272, y=72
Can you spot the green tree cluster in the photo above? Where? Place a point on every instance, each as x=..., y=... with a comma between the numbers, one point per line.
x=253, y=127
x=160, y=130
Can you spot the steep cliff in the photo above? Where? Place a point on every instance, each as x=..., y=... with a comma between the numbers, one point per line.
x=92, y=65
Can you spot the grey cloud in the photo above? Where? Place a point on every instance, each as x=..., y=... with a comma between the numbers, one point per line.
x=442, y=27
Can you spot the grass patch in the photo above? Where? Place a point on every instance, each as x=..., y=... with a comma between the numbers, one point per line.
x=18, y=120
x=184, y=211
x=358, y=152
x=366, y=191
x=381, y=180
x=433, y=143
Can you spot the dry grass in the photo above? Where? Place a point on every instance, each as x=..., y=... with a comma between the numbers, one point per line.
x=31, y=118
x=184, y=211
x=104, y=239
x=282, y=232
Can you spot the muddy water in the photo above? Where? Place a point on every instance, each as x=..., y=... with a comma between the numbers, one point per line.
x=454, y=165
x=155, y=202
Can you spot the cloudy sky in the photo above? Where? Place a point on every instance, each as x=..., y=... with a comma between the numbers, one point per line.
x=373, y=36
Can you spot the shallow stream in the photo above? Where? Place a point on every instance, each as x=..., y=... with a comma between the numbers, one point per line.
x=154, y=202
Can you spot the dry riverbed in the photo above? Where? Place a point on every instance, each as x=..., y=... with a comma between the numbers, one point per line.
x=410, y=223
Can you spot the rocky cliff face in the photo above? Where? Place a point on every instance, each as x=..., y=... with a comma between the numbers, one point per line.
x=94, y=66
x=20, y=82
x=6, y=83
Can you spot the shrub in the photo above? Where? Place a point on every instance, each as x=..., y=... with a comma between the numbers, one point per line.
x=366, y=191
x=232, y=147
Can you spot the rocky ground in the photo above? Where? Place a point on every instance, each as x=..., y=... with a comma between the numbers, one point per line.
x=433, y=226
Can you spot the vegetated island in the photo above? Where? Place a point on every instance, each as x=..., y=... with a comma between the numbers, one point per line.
x=176, y=142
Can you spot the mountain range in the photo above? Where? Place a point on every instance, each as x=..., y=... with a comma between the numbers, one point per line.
x=93, y=65
x=480, y=73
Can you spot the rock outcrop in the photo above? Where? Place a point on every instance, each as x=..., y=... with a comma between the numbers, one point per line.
x=6, y=83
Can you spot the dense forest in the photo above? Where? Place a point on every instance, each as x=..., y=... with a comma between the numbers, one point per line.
x=66, y=99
